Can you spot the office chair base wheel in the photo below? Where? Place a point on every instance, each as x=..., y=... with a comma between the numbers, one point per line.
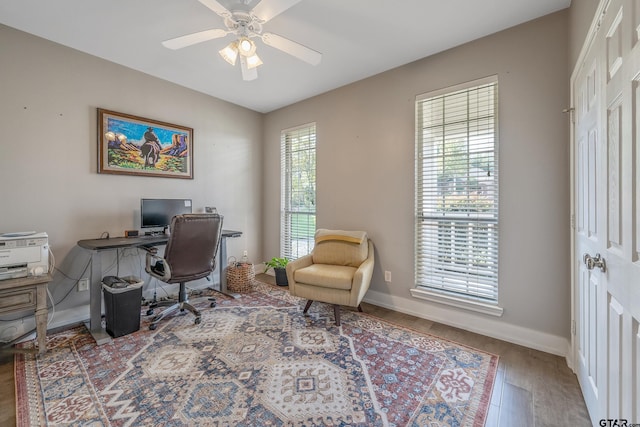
x=198, y=320
x=150, y=312
x=212, y=303
x=152, y=327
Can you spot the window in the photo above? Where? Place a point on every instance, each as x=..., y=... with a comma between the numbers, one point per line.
x=298, y=204
x=457, y=193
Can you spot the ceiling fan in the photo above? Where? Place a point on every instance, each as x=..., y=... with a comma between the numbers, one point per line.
x=247, y=26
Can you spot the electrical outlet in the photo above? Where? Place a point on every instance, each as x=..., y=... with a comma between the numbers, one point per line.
x=387, y=276
x=244, y=253
x=83, y=285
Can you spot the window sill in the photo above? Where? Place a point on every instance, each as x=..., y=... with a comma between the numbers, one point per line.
x=477, y=306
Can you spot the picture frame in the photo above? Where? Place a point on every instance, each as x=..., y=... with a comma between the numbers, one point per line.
x=132, y=145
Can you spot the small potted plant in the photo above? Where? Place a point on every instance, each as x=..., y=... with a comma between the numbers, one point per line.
x=278, y=265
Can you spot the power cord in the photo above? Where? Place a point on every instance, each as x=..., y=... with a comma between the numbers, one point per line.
x=52, y=260
x=53, y=307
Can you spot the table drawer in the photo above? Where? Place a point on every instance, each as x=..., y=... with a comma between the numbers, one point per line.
x=16, y=300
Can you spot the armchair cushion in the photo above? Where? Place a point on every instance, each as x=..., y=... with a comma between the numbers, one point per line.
x=338, y=247
x=326, y=276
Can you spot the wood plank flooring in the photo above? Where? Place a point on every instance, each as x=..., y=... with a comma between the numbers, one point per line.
x=7, y=391
x=532, y=388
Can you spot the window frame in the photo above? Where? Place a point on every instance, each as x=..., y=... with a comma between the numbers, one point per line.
x=467, y=232
x=306, y=222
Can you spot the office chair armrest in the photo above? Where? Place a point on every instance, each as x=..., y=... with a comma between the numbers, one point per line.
x=150, y=249
x=155, y=258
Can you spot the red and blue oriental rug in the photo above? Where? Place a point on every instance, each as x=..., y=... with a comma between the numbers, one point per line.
x=256, y=361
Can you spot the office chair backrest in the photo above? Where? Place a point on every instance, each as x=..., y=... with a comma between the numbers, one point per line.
x=193, y=246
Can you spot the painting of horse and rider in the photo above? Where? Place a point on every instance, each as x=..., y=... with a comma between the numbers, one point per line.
x=138, y=146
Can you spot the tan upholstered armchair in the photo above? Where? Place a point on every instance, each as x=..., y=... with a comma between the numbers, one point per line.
x=338, y=271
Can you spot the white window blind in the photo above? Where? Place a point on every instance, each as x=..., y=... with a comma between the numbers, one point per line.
x=457, y=191
x=298, y=193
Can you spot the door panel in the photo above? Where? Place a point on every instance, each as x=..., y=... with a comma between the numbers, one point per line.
x=635, y=378
x=613, y=142
x=588, y=86
x=606, y=187
x=614, y=347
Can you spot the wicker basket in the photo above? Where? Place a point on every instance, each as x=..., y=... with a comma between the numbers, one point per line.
x=240, y=276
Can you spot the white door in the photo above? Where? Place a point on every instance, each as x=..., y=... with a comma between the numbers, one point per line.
x=606, y=212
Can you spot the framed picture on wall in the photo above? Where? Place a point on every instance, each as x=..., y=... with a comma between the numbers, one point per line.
x=132, y=145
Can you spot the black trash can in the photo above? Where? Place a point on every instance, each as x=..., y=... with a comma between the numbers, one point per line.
x=122, y=305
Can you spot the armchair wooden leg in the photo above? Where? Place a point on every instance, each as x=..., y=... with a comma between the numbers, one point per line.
x=336, y=313
x=306, y=307
x=360, y=308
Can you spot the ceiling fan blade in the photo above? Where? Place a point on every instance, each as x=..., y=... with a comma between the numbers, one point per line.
x=217, y=8
x=292, y=48
x=268, y=9
x=195, y=38
x=247, y=73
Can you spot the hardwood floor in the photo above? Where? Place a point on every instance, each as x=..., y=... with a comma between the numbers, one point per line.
x=7, y=391
x=532, y=388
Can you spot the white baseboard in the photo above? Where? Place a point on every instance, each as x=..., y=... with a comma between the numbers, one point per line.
x=62, y=318
x=70, y=316
x=473, y=322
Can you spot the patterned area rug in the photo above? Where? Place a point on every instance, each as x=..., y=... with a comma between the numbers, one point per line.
x=256, y=360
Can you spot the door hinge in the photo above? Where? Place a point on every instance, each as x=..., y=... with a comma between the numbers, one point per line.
x=573, y=327
x=573, y=221
x=570, y=111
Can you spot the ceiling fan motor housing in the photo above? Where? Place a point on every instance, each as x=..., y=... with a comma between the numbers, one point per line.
x=243, y=24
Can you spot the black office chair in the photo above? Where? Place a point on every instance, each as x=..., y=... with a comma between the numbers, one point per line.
x=190, y=255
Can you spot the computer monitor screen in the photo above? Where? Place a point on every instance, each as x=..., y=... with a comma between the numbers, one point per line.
x=158, y=212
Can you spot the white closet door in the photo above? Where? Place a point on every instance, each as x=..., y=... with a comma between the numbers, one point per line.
x=606, y=184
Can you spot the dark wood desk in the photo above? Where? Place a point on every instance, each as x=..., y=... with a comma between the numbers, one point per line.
x=27, y=293
x=95, y=288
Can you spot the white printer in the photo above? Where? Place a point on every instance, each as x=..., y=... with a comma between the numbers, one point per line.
x=23, y=254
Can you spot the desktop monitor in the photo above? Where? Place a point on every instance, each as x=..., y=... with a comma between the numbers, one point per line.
x=157, y=213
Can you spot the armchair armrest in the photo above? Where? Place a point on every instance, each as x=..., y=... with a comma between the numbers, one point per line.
x=362, y=278
x=294, y=265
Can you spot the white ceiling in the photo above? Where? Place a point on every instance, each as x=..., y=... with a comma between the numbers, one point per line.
x=358, y=38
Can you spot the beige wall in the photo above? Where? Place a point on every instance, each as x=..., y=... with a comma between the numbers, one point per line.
x=365, y=175
x=365, y=163
x=581, y=14
x=48, y=154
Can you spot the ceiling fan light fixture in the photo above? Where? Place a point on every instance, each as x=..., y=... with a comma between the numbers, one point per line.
x=246, y=47
x=230, y=53
x=253, y=61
